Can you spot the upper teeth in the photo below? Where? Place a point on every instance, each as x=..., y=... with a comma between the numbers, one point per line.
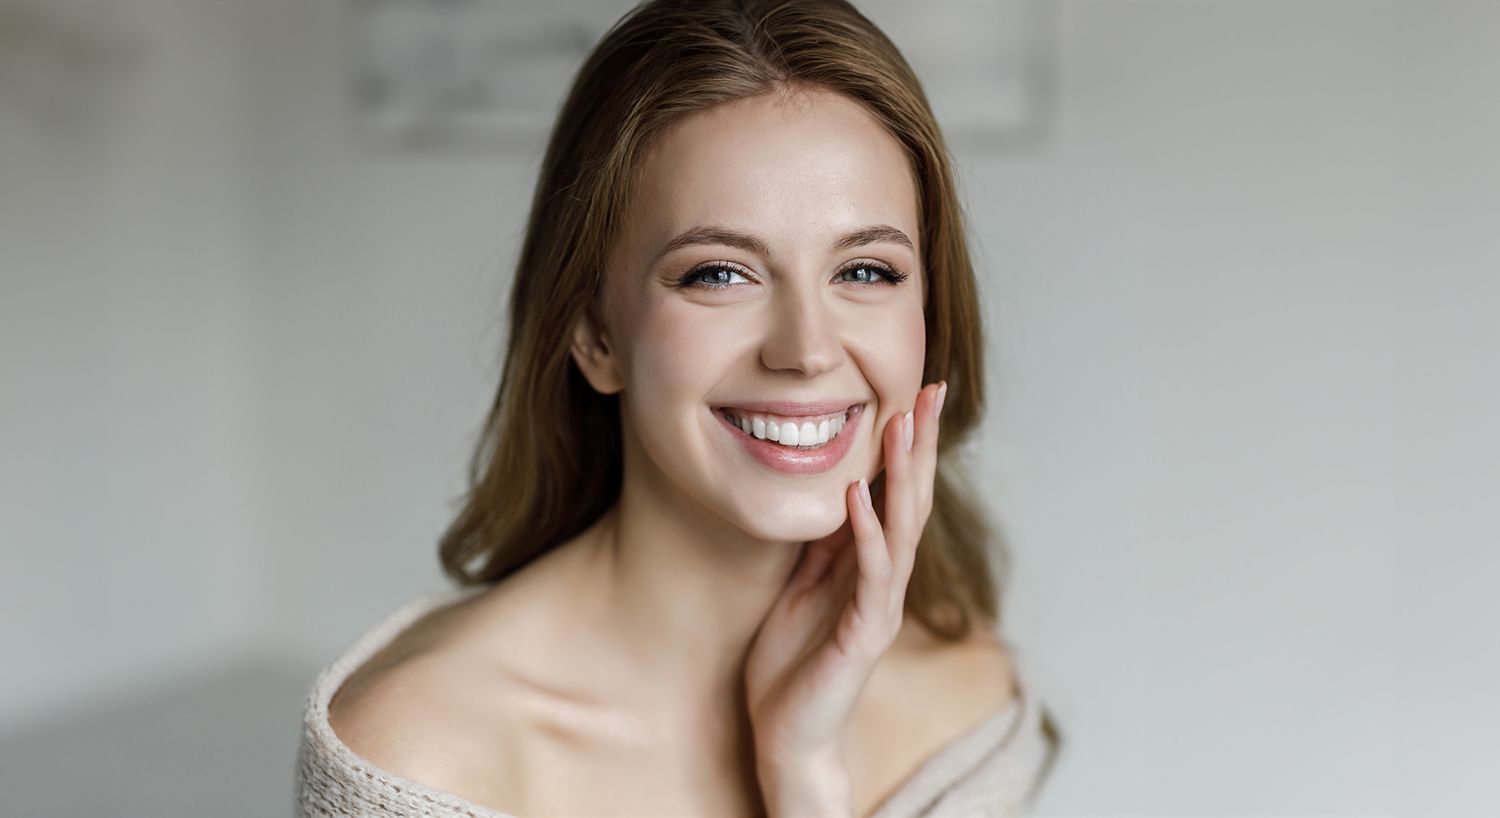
x=789, y=431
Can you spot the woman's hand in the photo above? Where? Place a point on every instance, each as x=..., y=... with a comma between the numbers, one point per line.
x=838, y=613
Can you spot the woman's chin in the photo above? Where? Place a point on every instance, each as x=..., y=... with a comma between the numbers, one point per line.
x=799, y=526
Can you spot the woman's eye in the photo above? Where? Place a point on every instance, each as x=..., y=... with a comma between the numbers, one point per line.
x=891, y=276
x=701, y=277
x=718, y=276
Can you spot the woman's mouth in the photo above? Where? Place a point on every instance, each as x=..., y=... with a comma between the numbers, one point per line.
x=793, y=445
x=806, y=432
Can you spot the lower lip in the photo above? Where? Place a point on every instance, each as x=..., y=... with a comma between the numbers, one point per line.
x=794, y=459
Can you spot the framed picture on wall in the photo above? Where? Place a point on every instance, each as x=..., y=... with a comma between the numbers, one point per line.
x=491, y=74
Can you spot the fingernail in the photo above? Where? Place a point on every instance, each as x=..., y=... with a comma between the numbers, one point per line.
x=906, y=430
x=864, y=494
x=942, y=394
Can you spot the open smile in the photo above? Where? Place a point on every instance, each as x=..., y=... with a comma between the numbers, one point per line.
x=778, y=444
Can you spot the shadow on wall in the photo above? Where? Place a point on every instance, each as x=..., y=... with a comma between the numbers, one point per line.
x=224, y=745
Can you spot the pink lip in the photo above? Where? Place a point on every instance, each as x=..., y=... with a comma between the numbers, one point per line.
x=798, y=461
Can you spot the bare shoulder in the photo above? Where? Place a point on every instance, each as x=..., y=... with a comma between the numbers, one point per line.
x=925, y=695
x=430, y=708
x=464, y=700
x=980, y=670
x=974, y=677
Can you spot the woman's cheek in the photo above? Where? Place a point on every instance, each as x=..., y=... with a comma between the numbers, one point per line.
x=899, y=345
x=913, y=342
x=676, y=355
x=894, y=354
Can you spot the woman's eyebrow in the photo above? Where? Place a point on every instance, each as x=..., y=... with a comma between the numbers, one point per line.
x=716, y=235
x=873, y=234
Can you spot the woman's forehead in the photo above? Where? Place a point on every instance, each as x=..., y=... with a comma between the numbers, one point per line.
x=813, y=166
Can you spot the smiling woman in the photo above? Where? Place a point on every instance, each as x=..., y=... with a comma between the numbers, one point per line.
x=718, y=557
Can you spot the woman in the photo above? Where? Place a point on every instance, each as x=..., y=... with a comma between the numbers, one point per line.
x=714, y=559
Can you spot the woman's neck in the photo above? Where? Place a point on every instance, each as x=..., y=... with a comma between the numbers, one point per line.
x=685, y=592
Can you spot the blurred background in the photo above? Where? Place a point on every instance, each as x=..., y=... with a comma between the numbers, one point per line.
x=1240, y=267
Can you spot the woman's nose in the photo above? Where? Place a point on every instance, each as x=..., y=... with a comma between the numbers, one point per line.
x=802, y=333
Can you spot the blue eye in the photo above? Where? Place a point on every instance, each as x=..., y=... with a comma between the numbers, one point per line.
x=870, y=269
x=692, y=278
x=720, y=275
x=891, y=276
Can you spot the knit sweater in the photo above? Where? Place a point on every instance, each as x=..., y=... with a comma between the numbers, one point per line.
x=990, y=770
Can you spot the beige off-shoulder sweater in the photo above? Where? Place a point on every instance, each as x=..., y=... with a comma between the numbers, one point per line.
x=991, y=770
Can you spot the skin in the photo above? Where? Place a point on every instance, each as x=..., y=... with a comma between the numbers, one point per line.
x=697, y=555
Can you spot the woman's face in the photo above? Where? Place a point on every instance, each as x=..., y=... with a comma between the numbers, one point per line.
x=810, y=316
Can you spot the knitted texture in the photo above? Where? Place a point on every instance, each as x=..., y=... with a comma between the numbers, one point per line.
x=990, y=771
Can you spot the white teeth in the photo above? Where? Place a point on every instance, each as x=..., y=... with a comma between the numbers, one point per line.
x=806, y=434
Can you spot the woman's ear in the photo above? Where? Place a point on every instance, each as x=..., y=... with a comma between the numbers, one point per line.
x=595, y=357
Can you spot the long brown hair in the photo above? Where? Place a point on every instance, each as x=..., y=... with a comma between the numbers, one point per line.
x=549, y=461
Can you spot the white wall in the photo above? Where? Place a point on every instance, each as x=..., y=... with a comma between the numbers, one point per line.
x=1447, y=397
x=1244, y=310
x=381, y=283
x=1193, y=292
x=130, y=532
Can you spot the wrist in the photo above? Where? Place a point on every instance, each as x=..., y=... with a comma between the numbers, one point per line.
x=812, y=788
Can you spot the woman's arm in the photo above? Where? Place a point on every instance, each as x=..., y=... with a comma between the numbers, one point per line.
x=814, y=789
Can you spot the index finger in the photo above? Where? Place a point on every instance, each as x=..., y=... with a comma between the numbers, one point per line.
x=921, y=466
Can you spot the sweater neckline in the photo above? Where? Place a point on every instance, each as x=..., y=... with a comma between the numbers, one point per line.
x=951, y=762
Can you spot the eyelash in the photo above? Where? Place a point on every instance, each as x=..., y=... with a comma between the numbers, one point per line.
x=892, y=275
